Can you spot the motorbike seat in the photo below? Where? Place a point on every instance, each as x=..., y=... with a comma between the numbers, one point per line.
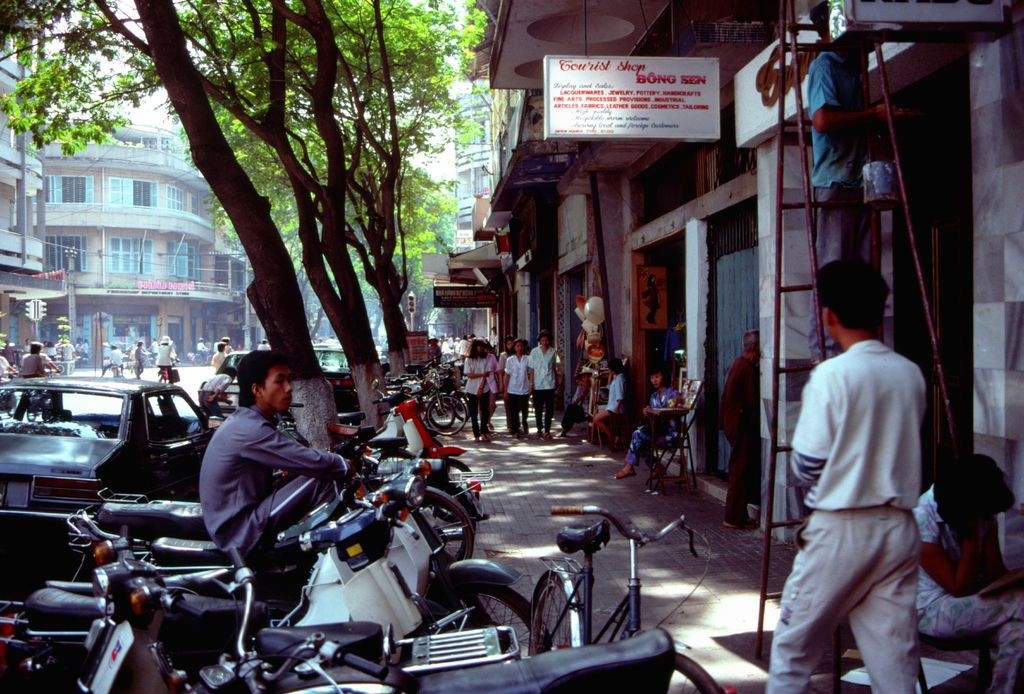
x=155, y=519
x=364, y=639
x=648, y=658
x=351, y=417
x=388, y=442
x=53, y=609
x=588, y=539
x=176, y=551
x=76, y=587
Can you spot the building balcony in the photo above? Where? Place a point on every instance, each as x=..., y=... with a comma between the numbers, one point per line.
x=10, y=167
x=67, y=217
x=23, y=253
x=171, y=287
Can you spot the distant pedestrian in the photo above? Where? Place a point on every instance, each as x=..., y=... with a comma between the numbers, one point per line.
x=139, y=358
x=214, y=392
x=543, y=381
x=166, y=358
x=475, y=370
x=616, y=405
x=218, y=356
x=263, y=346
x=517, y=390
x=740, y=421
x=493, y=389
x=433, y=350
x=857, y=445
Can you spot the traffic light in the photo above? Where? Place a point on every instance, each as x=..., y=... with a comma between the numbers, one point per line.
x=412, y=303
x=42, y=309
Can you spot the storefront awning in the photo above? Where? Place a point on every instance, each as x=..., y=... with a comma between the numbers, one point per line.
x=25, y=287
x=477, y=266
x=535, y=163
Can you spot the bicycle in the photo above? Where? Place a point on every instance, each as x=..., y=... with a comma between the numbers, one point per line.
x=562, y=607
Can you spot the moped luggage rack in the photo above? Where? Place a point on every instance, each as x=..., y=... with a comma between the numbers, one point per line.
x=122, y=497
x=473, y=476
x=458, y=649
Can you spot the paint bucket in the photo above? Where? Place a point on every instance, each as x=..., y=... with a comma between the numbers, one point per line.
x=880, y=187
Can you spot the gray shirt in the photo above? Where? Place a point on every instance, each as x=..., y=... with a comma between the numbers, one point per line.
x=236, y=484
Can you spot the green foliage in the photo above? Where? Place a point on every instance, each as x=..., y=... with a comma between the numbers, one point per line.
x=63, y=329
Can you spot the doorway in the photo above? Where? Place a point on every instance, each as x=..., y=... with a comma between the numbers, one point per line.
x=732, y=310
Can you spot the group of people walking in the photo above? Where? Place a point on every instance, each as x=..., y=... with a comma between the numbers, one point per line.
x=515, y=376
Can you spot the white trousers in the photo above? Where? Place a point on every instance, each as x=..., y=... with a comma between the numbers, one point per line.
x=859, y=564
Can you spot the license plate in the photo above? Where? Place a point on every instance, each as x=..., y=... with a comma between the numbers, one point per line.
x=113, y=658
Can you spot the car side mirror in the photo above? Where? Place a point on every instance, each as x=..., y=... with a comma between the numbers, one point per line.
x=374, y=383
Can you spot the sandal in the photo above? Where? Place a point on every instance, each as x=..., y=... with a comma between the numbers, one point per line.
x=625, y=472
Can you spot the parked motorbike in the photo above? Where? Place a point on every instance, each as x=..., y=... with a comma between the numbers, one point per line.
x=375, y=560
x=125, y=653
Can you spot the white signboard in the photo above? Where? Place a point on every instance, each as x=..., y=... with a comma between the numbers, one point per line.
x=947, y=15
x=610, y=98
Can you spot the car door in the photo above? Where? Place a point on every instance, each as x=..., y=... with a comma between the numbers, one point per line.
x=177, y=438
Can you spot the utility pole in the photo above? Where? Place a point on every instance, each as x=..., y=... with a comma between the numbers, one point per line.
x=71, y=264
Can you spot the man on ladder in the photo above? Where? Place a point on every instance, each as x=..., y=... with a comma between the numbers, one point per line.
x=857, y=445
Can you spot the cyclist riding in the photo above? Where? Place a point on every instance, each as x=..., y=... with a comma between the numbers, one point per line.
x=166, y=358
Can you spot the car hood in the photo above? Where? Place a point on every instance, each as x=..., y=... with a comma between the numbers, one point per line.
x=30, y=454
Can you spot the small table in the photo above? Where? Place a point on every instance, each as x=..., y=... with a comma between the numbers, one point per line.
x=654, y=417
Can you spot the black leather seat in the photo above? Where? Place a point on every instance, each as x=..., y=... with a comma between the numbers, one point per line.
x=175, y=551
x=156, y=519
x=52, y=609
x=364, y=639
x=588, y=539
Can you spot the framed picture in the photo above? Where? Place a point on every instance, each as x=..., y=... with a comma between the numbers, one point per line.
x=651, y=298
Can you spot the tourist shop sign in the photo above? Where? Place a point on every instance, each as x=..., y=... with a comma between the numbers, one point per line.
x=610, y=98
x=464, y=297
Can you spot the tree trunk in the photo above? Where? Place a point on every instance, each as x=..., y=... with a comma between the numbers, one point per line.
x=274, y=291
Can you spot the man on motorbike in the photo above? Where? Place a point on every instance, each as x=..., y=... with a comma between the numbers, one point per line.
x=241, y=503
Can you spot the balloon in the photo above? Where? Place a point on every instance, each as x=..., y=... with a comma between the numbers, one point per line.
x=594, y=309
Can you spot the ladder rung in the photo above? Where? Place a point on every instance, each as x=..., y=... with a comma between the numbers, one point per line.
x=795, y=369
x=773, y=596
x=817, y=204
x=785, y=524
x=783, y=448
x=796, y=287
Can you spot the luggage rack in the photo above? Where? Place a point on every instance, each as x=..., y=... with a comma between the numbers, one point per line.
x=474, y=476
x=459, y=649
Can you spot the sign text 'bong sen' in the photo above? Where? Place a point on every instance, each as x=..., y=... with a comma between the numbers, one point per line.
x=609, y=98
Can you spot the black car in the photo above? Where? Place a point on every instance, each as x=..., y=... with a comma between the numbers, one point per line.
x=335, y=367
x=67, y=443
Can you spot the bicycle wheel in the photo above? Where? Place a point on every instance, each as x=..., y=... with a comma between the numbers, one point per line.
x=498, y=606
x=447, y=414
x=451, y=522
x=691, y=677
x=553, y=623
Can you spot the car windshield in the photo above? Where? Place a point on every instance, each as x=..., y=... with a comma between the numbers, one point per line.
x=52, y=412
x=332, y=360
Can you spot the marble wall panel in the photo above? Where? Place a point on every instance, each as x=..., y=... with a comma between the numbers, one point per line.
x=989, y=336
x=1015, y=335
x=990, y=402
x=1014, y=405
x=1013, y=267
x=988, y=268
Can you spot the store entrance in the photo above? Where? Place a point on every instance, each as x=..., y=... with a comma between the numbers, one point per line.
x=936, y=156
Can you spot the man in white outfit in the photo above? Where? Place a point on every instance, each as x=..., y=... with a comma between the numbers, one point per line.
x=857, y=445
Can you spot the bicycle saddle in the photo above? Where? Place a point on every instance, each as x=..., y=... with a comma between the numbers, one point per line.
x=588, y=539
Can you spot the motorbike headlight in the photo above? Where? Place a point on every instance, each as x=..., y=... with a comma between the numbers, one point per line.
x=415, y=489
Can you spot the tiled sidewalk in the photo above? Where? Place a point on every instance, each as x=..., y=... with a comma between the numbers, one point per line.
x=709, y=602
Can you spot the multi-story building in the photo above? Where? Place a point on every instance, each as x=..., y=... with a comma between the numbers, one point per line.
x=21, y=248
x=130, y=224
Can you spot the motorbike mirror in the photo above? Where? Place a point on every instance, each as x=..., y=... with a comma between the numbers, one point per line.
x=374, y=383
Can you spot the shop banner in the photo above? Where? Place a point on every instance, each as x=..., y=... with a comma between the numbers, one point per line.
x=612, y=98
x=651, y=288
x=417, y=346
x=464, y=297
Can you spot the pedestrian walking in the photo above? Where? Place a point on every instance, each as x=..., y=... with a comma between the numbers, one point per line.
x=740, y=421
x=543, y=375
x=516, y=389
x=139, y=357
x=475, y=371
x=857, y=446
x=214, y=392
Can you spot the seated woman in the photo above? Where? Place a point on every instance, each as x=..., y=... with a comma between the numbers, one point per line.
x=664, y=395
x=959, y=556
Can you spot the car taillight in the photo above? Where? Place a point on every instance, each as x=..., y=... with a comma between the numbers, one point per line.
x=66, y=488
x=342, y=382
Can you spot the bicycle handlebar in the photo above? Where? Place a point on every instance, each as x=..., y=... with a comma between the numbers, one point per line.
x=627, y=531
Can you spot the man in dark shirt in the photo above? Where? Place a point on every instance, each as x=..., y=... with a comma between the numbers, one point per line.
x=241, y=506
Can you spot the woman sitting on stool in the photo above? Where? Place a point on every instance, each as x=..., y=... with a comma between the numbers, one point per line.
x=959, y=557
x=616, y=401
x=664, y=395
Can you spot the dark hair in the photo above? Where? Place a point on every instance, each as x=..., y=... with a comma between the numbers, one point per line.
x=819, y=18
x=35, y=347
x=520, y=341
x=657, y=370
x=854, y=291
x=543, y=333
x=971, y=489
x=252, y=369
x=615, y=366
x=221, y=346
